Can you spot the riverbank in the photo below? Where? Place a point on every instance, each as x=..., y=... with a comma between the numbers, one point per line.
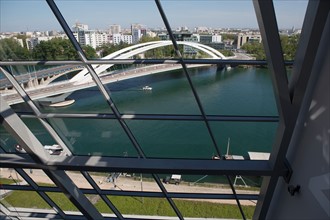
x=132, y=184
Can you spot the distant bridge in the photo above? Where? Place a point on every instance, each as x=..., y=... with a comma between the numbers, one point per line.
x=128, y=52
x=37, y=88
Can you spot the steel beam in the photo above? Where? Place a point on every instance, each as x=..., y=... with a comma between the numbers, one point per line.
x=139, y=165
x=139, y=61
x=288, y=110
x=167, y=117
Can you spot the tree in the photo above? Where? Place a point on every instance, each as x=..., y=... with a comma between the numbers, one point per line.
x=89, y=52
x=55, y=49
x=10, y=49
x=289, y=46
x=256, y=49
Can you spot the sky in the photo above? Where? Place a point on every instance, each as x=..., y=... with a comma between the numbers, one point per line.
x=35, y=15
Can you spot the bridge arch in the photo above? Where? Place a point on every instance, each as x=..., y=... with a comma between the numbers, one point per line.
x=127, y=52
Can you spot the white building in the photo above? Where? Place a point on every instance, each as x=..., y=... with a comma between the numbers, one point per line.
x=91, y=38
x=117, y=38
x=247, y=38
x=216, y=38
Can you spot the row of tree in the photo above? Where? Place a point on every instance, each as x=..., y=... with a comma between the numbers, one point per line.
x=289, y=47
x=62, y=49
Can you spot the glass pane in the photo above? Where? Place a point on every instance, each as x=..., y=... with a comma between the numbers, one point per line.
x=152, y=89
x=213, y=209
x=39, y=177
x=94, y=137
x=238, y=91
x=78, y=179
x=34, y=33
x=97, y=31
x=142, y=206
x=240, y=138
x=290, y=16
x=7, y=142
x=55, y=89
x=125, y=181
x=62, y=201
x=23, y=199
x=173, y=139
x=99, y=203
x=10, y=176
x=39, y=131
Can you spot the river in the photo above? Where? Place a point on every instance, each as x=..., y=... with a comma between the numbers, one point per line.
x=238, y=91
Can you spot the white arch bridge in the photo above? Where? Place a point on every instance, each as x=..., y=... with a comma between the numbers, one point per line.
x=125, y=53
x=83, y=80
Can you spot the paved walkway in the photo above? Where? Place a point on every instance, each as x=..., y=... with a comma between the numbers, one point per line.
x=132, y=184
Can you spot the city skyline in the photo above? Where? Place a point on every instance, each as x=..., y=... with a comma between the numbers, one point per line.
x=36, y=15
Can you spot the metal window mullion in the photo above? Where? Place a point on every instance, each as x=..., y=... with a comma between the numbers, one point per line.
x=288, y=112
x=103, y=196
x=95, y=77
x=43, y=194
x=266, y=18
x=155, y=117
x=139, y=61
x=184, y=66
x=138, y=165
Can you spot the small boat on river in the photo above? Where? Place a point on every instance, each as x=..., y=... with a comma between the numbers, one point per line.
x=146, y=88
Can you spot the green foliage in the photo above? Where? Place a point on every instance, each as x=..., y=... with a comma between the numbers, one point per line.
x=256, y=49
x=6, y=181
x=146, y=38
x=10, y=49
x=133, y=205
x=228, y=36
x=55, y=49
x=108, y=48
x=89, y=52
x=289, y=47
x=227, y=53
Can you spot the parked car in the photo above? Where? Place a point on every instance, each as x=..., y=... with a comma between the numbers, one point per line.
x=174, y=179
